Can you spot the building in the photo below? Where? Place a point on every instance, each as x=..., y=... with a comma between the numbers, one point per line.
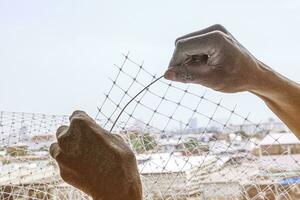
x=18, y=149
x=278, y=144
x=34, y=179
x=170, y=175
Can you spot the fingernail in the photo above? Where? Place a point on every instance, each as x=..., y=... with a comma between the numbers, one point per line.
x=170, y=75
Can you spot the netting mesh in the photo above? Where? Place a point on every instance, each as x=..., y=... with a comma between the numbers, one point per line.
x=27, y=171
x=188, y=144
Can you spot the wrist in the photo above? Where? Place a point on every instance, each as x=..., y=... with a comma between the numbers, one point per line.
x=273, y=87
x=124, y=191
x=266, y=81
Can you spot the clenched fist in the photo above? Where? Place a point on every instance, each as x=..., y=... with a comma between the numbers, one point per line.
x=96, y=161
x=214, y=58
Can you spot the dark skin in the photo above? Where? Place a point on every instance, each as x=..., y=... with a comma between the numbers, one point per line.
x=102, y=165
x=95, y=161
x=223, y=64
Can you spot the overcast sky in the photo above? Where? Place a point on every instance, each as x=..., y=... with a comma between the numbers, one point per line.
x=55, y=56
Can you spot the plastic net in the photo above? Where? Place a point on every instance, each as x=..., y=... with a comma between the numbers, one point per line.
x=27, y=171
x=188, y=144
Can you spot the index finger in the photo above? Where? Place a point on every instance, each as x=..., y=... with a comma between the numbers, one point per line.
x=215, y=27
x=205, y=44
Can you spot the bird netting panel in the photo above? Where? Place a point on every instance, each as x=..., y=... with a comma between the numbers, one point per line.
x=188, y=144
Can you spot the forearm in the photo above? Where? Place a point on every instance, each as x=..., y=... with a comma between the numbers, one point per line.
x=227, y=60
x=281, y=95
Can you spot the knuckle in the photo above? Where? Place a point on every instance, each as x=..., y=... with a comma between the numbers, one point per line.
x=78, y=121
x=62, y=128
x=220, y=27
x=70, y=141
x=218, y=37
x=176, y=40
x=180, y=43
x=54, y=150
x=78, y=113
x=180, y=40
x=218, y=34
x=63, y=138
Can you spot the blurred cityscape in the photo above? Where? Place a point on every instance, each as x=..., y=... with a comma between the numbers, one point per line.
x=246, y=162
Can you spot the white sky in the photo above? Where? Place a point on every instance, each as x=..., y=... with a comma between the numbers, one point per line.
x=55, y=56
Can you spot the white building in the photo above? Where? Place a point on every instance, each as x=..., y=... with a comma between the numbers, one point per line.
x=279, y=143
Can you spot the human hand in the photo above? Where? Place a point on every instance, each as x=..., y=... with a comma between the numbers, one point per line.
x=96, y=161
x=214, y=58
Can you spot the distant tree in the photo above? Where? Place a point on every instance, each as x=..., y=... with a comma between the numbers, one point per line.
x=243, y=134
x=191, y=144
x=142, y=142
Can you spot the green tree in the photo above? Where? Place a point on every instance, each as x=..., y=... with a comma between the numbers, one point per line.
x=191, y=144
x=142, y=142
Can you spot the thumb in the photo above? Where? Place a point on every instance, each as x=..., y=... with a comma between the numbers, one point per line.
x=186, y=74
x=178, y=73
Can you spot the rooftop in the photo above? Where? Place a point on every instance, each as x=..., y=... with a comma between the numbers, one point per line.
x=280, y=138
